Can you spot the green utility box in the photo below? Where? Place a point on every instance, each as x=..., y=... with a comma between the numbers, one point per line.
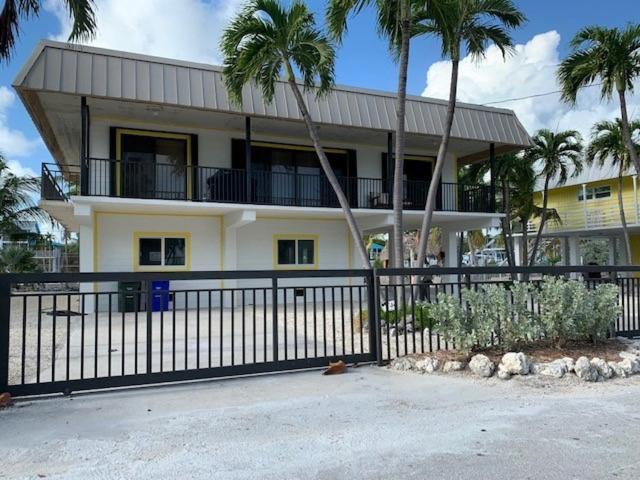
x=130, y=298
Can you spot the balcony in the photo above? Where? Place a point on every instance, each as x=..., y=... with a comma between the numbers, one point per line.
x=113, y=178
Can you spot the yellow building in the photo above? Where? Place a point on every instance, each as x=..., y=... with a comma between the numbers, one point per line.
x=588, y=208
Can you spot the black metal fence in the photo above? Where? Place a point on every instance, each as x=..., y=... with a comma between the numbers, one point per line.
x=67, y=332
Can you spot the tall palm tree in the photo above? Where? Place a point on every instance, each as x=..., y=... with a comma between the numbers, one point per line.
x=16, y=11
x=610, y=56
x=266, y=39
x=17, y=202
x=395, y=21
x=607, y=144
x=472, y=25
x=559, y=155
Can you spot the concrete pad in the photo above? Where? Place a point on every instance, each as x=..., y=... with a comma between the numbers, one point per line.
x=369, y=423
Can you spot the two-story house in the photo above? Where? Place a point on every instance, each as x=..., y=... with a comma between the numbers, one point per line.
x=587, y=205
x=158, y=171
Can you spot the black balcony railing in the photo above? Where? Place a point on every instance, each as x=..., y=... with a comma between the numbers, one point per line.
x=113, y=178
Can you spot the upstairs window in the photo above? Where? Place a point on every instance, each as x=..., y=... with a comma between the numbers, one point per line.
x=594, y=193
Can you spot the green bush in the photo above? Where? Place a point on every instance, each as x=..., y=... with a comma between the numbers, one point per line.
x=568, y=311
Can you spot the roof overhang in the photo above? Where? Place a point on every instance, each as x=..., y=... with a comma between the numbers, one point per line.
x=59, y=70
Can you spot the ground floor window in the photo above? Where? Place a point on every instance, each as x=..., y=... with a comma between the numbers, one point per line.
x=291, y=251
x=161, y=251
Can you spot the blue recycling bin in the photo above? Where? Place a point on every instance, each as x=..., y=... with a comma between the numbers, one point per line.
x=160, y=296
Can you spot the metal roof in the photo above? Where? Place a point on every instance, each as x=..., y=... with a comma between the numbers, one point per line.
x=101, y=73
x=590, y=173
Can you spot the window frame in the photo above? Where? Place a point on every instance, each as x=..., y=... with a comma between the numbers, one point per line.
x=591, y=193
x=295, y=266
x=189, y=138
x=163, y=236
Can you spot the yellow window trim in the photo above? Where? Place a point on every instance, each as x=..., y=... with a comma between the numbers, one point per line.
x=155, y=134
x=173, y=268
x=295, y=236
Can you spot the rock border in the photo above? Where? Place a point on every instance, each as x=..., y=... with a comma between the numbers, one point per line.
x=518, y=363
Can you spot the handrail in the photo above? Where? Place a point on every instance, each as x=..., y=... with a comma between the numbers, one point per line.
x=166, y=181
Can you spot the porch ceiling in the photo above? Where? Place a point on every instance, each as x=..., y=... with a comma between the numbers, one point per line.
x=57, y=116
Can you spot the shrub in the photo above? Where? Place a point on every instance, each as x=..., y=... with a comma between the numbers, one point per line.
x=604, y=309
x=453, y=322
x=522, y=324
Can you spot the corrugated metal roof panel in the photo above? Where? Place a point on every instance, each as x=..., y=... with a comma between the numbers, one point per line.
x=97, y=72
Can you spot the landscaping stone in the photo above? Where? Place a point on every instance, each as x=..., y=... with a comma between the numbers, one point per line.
x=452, y=366
x=482, y=366
x=570, y=363
x=585, y=370
x=393, y=332
x=618, y=371
x=602, y=367
x=629, y=355
x=555, y=369
x=515, y=363
x=403, y=364
x=427, y=365
x=503, y=372
x=629, y=366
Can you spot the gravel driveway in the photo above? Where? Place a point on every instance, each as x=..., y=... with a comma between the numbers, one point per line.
x=369, y=423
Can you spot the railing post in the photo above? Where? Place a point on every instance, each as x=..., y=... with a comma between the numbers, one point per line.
x=5, y=316
x=374, y=325
x=492, y=181
x=84, y=167
x=274, y=317
x=149, y=300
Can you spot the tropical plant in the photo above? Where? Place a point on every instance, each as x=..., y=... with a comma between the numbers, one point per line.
x=607, y=145
x=610, y=56
x=16, y=11
x=266, y=39
x=476, y=241
x=559, y=156
x=17, y=259
x=17, y=202
x=471, y=24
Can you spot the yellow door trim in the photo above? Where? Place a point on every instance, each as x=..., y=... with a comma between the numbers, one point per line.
x=154, y=134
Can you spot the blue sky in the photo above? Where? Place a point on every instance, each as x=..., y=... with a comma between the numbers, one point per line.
x=189, y=29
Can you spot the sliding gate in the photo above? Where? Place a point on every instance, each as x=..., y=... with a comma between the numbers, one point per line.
x=69, y=332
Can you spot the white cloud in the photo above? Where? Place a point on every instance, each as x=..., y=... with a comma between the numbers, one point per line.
x=13, y=143
x=531, y=70
x=185, y=29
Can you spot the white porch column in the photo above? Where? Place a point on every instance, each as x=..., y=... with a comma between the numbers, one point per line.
x=584, y=205
x=635, y=197
x=517, y=250
x=87, y=254
x=574, y=251
x=613, y=251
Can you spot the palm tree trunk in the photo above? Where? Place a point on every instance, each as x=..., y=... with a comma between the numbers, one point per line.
x=328, y=171
x=398, y=171
x=626, y=131
x=506, y=225
x=543, y=220
x=525, y=242
x=437, y=171
x=623, y=219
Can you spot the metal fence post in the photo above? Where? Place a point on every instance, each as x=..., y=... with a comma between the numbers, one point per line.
x=374, y=325
x=274, y=317
x=149, y=300
x=5, y=317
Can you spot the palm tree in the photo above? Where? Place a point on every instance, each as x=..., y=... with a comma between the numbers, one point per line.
x=559, y=155
x=17, y=202
x=474, y=24
x=15, y=11
x=395, y=21
x=17, y=259
x=265, y=39
x=610, y=56
x=607, y=144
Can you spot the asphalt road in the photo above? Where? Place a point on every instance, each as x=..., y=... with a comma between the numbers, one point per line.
x=368, y=423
